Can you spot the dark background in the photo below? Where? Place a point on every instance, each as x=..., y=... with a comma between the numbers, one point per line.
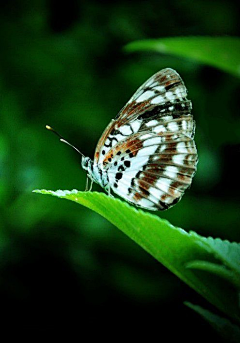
x=64, y=65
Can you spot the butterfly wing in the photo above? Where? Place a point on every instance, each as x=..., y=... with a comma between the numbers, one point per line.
x=153, y=171
x=148, y=150
x=160, y=95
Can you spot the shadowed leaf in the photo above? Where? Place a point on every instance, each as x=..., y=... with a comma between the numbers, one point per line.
x=172, y=246
x=219, y=52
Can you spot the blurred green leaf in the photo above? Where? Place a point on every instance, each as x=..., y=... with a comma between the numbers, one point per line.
x=223, y=326
x=172, y=246
x=217, y=269
x=219, y=52
x=228, y=253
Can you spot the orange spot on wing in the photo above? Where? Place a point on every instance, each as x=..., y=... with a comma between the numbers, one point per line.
x=137, y=197
x=131, y=144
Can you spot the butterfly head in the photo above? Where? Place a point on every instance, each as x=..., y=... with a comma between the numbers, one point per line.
x=95, y=172
x=86, y=163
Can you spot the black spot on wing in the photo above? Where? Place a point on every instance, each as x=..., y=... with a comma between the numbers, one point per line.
x=163, y=205
x=118, y=176
x=121, y=168
x=115, y=132
x=111, y=139
x=151, y=113
x=179, y=107
x=172, y=85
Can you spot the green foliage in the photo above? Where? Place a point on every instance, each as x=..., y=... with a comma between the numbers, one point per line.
x=64, y=66
x=219, y=52
x=185, y=254
x=223, y=326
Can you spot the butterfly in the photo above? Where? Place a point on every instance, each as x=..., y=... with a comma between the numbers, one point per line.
x=147, y=154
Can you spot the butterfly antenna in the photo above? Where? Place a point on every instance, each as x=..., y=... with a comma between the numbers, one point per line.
x=63, y=140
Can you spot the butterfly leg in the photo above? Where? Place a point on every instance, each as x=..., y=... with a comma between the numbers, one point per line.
x=86, y=188
x=90, y=188
x=109, y=192
x=91, y=183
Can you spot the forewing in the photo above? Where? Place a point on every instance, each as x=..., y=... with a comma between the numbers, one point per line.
x=159, y=99
x=163, y=88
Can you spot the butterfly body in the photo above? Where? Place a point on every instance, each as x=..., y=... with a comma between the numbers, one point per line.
x=95, y=172
x=147, y=154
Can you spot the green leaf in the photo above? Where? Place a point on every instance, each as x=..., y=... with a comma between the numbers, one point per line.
x=223, y=326
x=216, y=269
x=219, y=52
x=228, y=253
x=172, y=246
